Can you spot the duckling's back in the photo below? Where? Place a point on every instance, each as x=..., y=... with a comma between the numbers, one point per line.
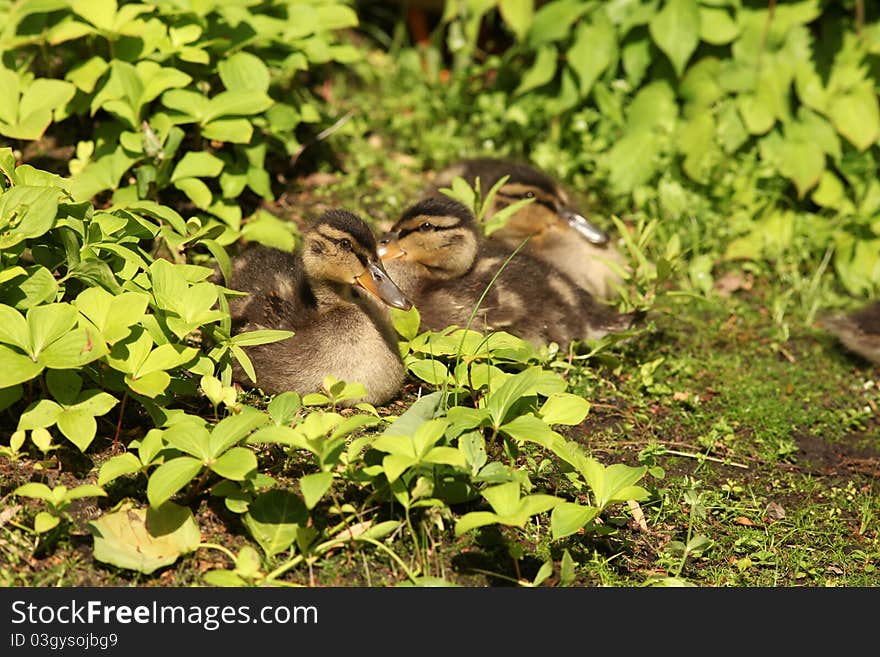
x=859, y=331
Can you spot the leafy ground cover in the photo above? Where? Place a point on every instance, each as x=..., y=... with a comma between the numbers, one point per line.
x=728, y=442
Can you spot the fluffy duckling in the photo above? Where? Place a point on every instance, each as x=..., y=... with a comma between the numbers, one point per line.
x=859, y=331
x=560, y=235
x=436, y=254
x=315, y=293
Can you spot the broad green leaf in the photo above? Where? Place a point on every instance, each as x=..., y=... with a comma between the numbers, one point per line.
x=632, y=161
x=78, y=426
x=16, y=368
x=86, y=490
x=717, y=26
x=197, y=164
x=431, y=371
x=283, y=408
x=244, y=71
x=541, y=71
x=236, y=103
x=501, y=400
x=26, y=212
x=196, y=190
x=150, y=385
x=314, y=486
x=170, y=477
x=274, y=518
x=235, y=463
x=112, y=314
x=145, y=539
x=117, y=466
x=35, y=287
x=74, y=349
x=45, y=521
x=41, y=414
x=856, y=115
x=504, y=498
x=253, y=338
x=14, y=328
x=35, y=490
x=166, y=357
x=567, y=518
x=234, y=429
x=518, y=15
x=803, y=162
x=191, y=439
x=553, y=21
x=564, y=408
x=532, y=429
x=594, y=48
x=406, y=322
x=234, y=131
x=48, y=323
x=676, y=31
x=473, y=520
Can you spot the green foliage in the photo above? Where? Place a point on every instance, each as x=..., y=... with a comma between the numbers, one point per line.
x=57, y=499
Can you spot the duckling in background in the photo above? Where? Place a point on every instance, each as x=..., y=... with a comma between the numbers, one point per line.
x=437, y=255
x=859, y=331
x=314, y=292
x=560, y=235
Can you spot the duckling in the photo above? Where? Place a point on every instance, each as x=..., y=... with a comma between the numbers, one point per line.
x=560, y=235
x=859, y=331
x=437, y=255
x=315, y=292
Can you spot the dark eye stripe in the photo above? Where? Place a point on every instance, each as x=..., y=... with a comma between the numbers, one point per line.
x=519, y=197
x=406, y=231
x=338, y=242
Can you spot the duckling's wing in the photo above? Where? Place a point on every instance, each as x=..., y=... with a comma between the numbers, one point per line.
x=858, y=331
x=276, y=287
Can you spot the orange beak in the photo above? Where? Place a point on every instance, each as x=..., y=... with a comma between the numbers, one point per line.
x=389, y=247
x=375, y=280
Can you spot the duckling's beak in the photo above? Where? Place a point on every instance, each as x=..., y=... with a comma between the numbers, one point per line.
x=389, y=248
x=587, y=230
x=376, y=281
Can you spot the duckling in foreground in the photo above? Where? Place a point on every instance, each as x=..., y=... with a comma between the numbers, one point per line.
x=859, y=331
x=315, y=293
x=560, y=235
x=436, y=254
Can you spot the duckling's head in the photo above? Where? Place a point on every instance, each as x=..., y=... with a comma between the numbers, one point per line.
x=438, y=233
x=339, y=248
x=551, y=207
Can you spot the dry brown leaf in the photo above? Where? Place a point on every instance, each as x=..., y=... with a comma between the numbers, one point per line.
x=733, y=281
x=638, y=515
x=742, y=520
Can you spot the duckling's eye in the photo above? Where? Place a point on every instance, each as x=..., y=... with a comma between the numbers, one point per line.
x=529, y=194
x=425, y=227
x=345, y=244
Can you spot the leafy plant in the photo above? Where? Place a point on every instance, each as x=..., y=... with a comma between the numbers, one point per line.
x=57, y=499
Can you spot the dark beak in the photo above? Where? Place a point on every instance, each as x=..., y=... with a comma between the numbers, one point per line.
x=584, y=228
x=376, y=281
x=389, y=248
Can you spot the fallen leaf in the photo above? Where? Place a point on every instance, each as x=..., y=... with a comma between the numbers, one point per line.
x=742, y=520
x=637, y=514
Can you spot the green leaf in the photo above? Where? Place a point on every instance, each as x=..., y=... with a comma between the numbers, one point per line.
x=196, y=190
x=856, y=115
x=518, y=15
x=35, y=490
x=717, y=26
x=567, y=518
x=803, y=162
x=145, y=539
x=117, y=466
x=16, y=368
x=235, y=463
x=14, y=328
x=431, y=371
x=594, y=48
x=564, y=408
x=236, y=103
x=150, y=385
x=314, y=486
x=532, y=429
x=406, y=322
x=234, y=131
x=553, y=21
x=40, y=414
x=86, y=490
x=283, y=408
x=519, y=385
x=78, y=427
x=45, y=521
x=541, y=71
x=676, y=31
x=197, y=164
x=26, y=212
x=632, y=161
x=244, y=71
x=64, y=385
x=48, y=323
x=274, y=518
x=170, y=477
x=234, y=429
